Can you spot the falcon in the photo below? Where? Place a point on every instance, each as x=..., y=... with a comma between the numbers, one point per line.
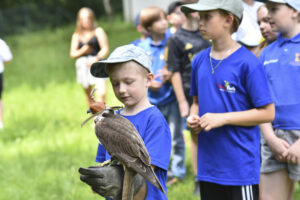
x=123, y=142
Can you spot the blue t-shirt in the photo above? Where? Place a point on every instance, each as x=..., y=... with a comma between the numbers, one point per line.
x=156, y=134
x=165, y=94
x=136, y=42
x=229, y=155
x=281, y=61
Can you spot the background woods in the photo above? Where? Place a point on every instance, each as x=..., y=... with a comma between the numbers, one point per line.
x=26, y=15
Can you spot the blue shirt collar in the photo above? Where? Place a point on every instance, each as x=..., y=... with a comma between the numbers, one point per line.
x=161, y=43
x=281, y=40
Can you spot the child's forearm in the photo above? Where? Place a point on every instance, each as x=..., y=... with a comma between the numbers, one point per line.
x=177, y=86
x=267, y=131
x=195, y=107
x=251, y=117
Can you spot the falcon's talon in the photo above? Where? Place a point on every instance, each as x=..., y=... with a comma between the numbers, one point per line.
x=106, y=163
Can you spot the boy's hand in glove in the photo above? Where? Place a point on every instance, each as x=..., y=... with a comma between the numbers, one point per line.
x=107, y=181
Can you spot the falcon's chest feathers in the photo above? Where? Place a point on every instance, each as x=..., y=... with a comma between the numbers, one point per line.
x=121, y=139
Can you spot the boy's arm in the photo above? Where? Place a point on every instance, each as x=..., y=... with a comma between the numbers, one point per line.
x=277, y=145
x=179, y=92
x=250, y=117
x=193, y=119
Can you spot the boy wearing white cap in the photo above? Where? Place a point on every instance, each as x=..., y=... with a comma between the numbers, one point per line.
x=129, y=70
x=230, y=97
x=281, y=144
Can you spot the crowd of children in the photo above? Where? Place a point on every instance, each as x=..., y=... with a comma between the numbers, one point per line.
x=233, y=103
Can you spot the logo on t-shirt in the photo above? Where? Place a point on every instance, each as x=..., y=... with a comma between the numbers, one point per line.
x=296, y=62
x=188, y=46
x=226, y=87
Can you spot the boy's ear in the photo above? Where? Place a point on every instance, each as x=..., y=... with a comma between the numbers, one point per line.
x=149, y=79
x=295, y=14
x=229, y=20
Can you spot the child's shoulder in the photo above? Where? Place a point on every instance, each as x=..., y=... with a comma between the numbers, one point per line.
x=151, y=112
x=145, y=43
x=201, y=54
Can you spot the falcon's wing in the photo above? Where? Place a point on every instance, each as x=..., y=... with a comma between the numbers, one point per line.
x=121, y=139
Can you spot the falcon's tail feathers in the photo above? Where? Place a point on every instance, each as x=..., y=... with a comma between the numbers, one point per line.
x=157, y=183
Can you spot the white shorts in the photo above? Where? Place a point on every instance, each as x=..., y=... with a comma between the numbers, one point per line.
x=84, y=76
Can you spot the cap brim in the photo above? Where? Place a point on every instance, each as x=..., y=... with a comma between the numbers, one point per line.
x=98, y=68
x=277, y=1
x=196, y=7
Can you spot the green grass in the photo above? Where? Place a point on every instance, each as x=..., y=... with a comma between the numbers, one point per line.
x=43, y=145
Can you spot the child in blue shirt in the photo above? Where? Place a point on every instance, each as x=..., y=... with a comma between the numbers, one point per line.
x=161, y=93
x=140, y=29
x=230, y=97
x=129, y=70
x=281, y=142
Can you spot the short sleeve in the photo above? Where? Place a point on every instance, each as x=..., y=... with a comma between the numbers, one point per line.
x=174, y=55
x=257, y=87
x=194, y=64
x=157, y=139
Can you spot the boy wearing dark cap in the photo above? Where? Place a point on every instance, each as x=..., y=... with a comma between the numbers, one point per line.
x=175, y=17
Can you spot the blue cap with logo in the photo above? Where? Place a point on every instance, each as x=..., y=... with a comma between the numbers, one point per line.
x=122, y=54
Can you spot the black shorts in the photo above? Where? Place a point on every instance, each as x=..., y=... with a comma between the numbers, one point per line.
x=1, y=84
x=212, y=191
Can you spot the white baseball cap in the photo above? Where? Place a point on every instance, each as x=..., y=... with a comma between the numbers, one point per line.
x=233, y=6
x=293, y=3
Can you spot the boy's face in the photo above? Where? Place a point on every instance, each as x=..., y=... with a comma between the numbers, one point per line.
x=130, y=83
x=263, y=19
x=281, y=17
x=211, y=24
x=160, y=26
x=176, y=18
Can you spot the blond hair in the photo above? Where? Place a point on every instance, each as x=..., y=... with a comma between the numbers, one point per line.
x=91, y=15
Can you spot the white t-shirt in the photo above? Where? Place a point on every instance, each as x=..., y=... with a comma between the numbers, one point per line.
x=5, y=54
x=249, y=32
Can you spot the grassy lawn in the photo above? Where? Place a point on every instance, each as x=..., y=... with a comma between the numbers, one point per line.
x=42, y=145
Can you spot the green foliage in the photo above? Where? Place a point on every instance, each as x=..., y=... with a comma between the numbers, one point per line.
x=42, y=145
x=32, y=15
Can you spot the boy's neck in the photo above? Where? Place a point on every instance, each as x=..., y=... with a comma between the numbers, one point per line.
x=156, y=38
x=223, y=47
x=136, y=108
x=293, y=32
x=190, y=25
